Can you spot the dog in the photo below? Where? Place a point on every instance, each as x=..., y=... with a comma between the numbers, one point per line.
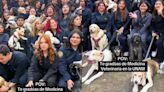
x=14, y=39
x=117, y=52
x=94, y=57
x=140, y=78
x=11, y=23
x=135, y=48
x=99, y=39
x=53, y=39
x=110, y=4
x=29, y=21
x=5, y=83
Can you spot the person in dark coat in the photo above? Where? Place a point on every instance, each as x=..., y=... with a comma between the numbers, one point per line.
x=4, y=37
x=69, y=54
x=121, y=21
x=102, y=18
x=43, y=66
x=141, y=20
x=158, y=28
x=13, y=67
x=86, y=21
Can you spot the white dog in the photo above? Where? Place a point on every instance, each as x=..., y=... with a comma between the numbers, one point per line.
x=94, y=56
x=28, y=22
x=98, y=38
x=13, y=41
x=111, y=4
x=139, y=78
x=53, y=39
x=11, y=22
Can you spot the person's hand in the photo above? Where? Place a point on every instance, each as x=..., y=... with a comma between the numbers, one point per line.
x=70, y=84
x=48, y=18
x=4, y=89
x=133, y=15
x=154, y=34
x=120, y=31
x=30, y=84
x=11, y=84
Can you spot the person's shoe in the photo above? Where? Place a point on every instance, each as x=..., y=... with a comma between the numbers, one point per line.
x=126, y=53
x=161, y=65
x=154, y=53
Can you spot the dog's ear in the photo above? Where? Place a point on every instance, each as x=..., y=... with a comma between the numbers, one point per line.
x=143, y=80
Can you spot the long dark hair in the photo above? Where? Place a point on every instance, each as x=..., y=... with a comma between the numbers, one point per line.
x=68, y=44
x=155, y=11
x=123, y=14
x=72, y=18
x=147, y=3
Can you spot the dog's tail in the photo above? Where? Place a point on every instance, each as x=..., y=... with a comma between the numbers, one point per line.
x=154, y=64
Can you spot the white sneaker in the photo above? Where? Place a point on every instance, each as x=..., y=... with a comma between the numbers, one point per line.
x=154, y=53
x=162, y=65
x=126, y=53
x=160, y=71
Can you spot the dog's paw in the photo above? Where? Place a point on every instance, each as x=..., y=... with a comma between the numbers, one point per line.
x=87, y=82
x=83, y=79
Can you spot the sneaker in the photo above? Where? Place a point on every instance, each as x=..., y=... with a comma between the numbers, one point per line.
x=154, y=53
x=162, y=65
x=126, y=53
x=160, y=71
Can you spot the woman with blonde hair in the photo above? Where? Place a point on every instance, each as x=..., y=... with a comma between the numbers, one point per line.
x=43, y=66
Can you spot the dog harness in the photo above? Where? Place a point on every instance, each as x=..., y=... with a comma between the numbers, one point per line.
x=97, y=40
x=14, y=43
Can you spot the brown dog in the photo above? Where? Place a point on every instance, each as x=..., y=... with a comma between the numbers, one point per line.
x=5, y=83
x=139, y=78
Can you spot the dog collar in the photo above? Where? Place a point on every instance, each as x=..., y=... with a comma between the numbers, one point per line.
x=97, y=40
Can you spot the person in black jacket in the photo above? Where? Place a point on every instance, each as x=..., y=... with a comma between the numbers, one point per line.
x=120, y=24
x=69, y=54
x=43, y=66
x=158, y=28
x=102, y=18
x=13, y=67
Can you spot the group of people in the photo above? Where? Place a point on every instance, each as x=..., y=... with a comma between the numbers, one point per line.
x=69, y=21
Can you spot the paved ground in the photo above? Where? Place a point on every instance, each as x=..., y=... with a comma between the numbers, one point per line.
x=118, y=82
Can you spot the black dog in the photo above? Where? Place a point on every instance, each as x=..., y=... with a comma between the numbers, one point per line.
x=135, y=48
x=117, y=52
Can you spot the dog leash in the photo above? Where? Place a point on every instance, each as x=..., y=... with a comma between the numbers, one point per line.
x=111, y=40
x=148, y=51
x=119, y=44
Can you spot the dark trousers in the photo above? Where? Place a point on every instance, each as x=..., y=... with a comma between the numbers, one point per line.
x=51, y=81
x=120, y=40
x=160, y=48
x=86, y=39
x=8, y=75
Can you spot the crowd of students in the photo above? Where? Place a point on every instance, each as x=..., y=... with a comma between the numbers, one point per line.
x=69, y=21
